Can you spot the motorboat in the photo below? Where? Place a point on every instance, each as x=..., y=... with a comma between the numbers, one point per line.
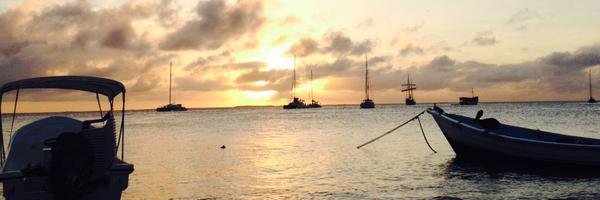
x=490, y=140
x=60, y=157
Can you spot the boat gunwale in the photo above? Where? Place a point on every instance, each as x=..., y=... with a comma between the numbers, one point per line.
x=493, y=133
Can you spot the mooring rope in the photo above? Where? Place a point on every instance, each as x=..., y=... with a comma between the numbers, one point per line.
x=396, y=128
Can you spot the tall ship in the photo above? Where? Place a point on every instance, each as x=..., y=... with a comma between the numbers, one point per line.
x=591, y=100
x=410, y=87
x=313, y=103
x=367, y=102
x=473, y=100
x=296, y=103
x=171, y=106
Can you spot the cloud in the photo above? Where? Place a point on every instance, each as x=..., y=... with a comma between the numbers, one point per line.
x=339, y=44
x=76, y=39
x=304, y=47
x=485, y=38
x=367, y=23
x=410, y=48
x=216, y=25
x=414, y=28
x=522, y=18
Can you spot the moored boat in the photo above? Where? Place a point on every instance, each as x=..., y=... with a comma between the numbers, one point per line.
x=591, y=100
x=473, y=100
x=367, y=102
x=410, y=87
x=171, y=106
x=489, y=140
x=64, y=158
x=296, y=102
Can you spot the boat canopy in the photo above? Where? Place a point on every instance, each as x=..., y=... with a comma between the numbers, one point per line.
x=107, y=87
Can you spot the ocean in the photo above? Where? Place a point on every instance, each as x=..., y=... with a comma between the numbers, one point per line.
x=273, y=153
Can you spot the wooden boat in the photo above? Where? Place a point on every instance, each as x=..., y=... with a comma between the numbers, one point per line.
x=473, y=100
x=490, y=141
x=171, y=106
x=296, y=103
x=410, y=100
x=367, y=102
x=591, y=100
x=64, y=158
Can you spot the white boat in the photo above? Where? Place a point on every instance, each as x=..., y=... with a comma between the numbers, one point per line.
x=489, y=140
x=63, y=158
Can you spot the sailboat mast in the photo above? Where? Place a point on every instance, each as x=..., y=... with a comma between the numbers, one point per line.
x=294, y=81
x=170, y=76
x=312, y=97
x=366, y=78
x=590, y=75
x=472, y=93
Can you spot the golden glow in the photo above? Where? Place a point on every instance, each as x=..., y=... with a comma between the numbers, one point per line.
x=261, y=83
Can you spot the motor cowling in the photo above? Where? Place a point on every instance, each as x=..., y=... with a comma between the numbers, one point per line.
x=71, y=166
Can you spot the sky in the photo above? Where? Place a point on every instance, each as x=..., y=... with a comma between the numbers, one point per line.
x=239, y=53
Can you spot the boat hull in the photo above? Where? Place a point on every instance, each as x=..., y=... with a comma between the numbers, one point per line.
x=469, y=141
x=468, y=100
x=410, y=102
x=367, y=103
x=17, y=185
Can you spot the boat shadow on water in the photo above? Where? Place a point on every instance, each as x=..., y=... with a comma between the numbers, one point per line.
x=471, y=167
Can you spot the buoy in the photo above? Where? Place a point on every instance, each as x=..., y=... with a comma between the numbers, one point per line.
x=223, y=147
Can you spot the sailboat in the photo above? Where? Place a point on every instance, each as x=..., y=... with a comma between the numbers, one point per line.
x=171, y=106
x=591, y=100
x=410, y=100
x=367, y=102
x=473, y=100
x=296, y=103
x=313, y=103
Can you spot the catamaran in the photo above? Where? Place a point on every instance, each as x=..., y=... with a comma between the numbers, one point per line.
x=473, y=100
x=171, y=106
x=367, y=102
x=410, y=100
x=296, y=103
x=60, y=157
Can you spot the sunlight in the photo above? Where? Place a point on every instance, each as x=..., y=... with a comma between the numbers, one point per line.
x=276, y=59
x=261, y=83
x=259, y=95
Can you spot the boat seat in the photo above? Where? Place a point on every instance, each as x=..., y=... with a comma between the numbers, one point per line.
x=103, y=143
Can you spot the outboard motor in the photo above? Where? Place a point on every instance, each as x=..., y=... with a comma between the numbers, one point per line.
x=71, y=166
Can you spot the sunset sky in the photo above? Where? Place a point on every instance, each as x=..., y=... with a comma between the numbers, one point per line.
x=234, y=53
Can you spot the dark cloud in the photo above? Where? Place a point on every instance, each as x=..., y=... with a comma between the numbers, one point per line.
x=305, y=47
x=339, y=44
x=410, y=48
x=485, y=38
x=216, y=25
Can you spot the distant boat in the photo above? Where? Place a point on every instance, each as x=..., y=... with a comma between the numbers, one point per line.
x=367, y=102
x=296, y=103
x=591, y=100
x=313, y=103
x=410, y=100
x=473, y=100
x=487, y=140
x=171, y=106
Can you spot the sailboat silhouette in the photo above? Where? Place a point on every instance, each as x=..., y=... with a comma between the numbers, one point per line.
x=171, y=106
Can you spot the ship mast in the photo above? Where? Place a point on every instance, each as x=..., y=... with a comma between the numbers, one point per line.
x=472, y=93
x=366, y=78
x=312, y=97
x=170, y=76
x=590, y=75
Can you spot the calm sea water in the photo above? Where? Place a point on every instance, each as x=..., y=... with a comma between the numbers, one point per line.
x=299, y=154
